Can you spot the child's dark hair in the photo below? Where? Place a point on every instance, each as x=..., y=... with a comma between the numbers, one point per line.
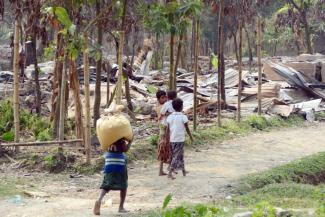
x=177, y=104
x=171, y=94
x=160, y=93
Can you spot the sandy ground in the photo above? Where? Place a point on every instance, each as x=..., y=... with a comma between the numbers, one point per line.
x=212, y=169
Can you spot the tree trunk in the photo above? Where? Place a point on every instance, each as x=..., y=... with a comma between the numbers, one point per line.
x=16, y=80
x=250, y=52
x=259, y=95
x=57, y=75
x=236, y=45
x=239, y=70
x=108, y=73
x=37, y=85
x=74, y=81
x=62, y=98
x=98, y=67
x=197, y=26
x=171, y=62
x=120, y=58
x=87, y=133
x=307, y=31
x=184, y=52
x=178, y=57
x=220, y=54
x=120, y=70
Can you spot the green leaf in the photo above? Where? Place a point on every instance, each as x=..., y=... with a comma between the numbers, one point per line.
x=167, y=200
x=214, y=61
x=62, y=16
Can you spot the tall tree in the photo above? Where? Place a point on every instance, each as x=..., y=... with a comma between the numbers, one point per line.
x=98, y=65
x=196, y=56
x=220, y=58
x=302, y=8
x=16, y=78
x=240, y=24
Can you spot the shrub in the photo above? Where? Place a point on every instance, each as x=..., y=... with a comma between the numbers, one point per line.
x=258, y=122
x=154, y=139
x=7, y=116
x=45, y=135
x=8, y=136
x=264, y=209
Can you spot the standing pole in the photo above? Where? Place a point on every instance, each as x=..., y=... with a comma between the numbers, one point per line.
x=197, y=26
x=16, y=80
x=62, y=98
x=220, y=53
x=239, y=70
x=259, y=95
x=87, y=98
x=120, y=70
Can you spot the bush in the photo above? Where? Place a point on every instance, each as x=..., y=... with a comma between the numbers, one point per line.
x=8, y=136
x=7, y=116
x=320, y=212
x=154, y=139
x=45, y=135
x=258, y=122
x=264, y=209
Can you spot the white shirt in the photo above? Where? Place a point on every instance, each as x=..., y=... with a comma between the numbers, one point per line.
x=176, y=122
x=166, y=108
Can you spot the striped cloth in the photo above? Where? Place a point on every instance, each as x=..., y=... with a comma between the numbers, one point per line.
x=114, y=162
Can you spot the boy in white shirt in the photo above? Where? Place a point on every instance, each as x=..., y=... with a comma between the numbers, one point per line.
x=177, y=123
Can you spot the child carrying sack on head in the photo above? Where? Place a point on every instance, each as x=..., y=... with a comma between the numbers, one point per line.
x=115, y=174
x=177, y=123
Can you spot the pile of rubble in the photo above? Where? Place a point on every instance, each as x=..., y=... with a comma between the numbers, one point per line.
x=290, y=85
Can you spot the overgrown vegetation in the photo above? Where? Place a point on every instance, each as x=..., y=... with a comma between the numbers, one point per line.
x=309, y=170
x=39, y=127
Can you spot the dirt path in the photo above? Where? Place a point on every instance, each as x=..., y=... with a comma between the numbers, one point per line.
x=211, y=170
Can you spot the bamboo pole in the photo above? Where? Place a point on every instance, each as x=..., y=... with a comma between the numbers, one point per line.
x=220, y=52
x=240, y=70
x=16, y=80
x=87, y=96
x=62, y=98
x=171, y=62
x=44, y=143
x=197, y=26
x=120, y=70
x=178, y=57
x=259, y=95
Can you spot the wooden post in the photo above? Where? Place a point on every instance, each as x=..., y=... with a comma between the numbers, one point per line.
x=62, y=97
x=239, y=70
x=87, y=100
x=259, y=95
x=120, y=70
x=16, y=81
x=171, y=62
x=220, y=53
x=197, y=26
x=178, y=57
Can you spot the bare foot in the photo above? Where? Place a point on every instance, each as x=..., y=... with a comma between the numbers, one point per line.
x=122, y=210
x=162, y=174
x=97, y=208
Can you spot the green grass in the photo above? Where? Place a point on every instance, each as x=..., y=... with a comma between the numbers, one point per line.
x=253, y=123
x=308, y=170
x=288, y=195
